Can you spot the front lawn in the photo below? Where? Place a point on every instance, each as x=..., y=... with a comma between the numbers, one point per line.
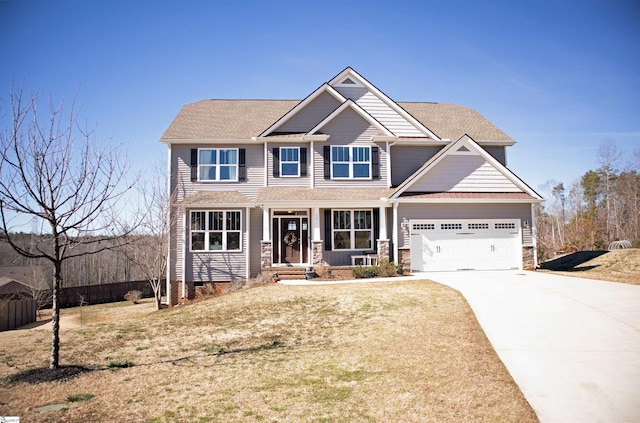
x=386, y=352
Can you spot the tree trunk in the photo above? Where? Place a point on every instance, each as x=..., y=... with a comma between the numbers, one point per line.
x=55, y=318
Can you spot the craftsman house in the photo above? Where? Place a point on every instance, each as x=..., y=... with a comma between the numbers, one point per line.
x=346, y=176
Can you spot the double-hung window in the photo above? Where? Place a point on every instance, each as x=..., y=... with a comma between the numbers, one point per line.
x=352, y=229
x=289, y=161
x=217, y=164
x=350, y=162
x=217, y=230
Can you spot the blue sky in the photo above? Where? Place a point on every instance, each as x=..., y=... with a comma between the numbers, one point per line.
x=560, y=77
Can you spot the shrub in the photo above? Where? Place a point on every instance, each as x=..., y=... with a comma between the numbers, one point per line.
x=360, y=272
x=134, y=296
x=388, y=269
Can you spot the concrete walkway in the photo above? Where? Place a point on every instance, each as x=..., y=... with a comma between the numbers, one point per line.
x=572, y=345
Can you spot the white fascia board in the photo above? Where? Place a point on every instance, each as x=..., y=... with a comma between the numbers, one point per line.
x=382, y=96
x=466, y=200
x=468, y=142
x=494, y=143
x=324, y=87
x=323, y=204
x=355, y=107
x=383, y=138
x=316, y=137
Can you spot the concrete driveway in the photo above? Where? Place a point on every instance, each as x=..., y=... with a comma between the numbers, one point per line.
x=572, y=345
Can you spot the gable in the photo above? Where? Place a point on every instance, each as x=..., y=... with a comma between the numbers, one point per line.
x=348, y=126
x=378, y=105
x=464, y=166
x=308, y=116
x=464, y=173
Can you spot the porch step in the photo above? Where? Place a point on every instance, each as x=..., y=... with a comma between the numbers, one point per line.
x=288, y=273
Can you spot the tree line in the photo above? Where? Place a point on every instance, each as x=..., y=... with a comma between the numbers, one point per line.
x=602, y=206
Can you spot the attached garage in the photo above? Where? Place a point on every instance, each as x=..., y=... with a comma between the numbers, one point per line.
x=449, y=245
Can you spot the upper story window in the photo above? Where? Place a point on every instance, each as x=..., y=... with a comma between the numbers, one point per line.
x=218, y=164
x=215, y=230
x=351, y=162
x=289, y=161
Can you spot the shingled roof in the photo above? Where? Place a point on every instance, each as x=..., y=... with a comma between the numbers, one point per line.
x=243, y=119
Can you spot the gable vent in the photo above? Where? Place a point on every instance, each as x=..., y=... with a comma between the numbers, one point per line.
x=463, y=148
x=348, y=81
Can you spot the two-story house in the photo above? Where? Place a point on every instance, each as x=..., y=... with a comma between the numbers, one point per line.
x=344, y=175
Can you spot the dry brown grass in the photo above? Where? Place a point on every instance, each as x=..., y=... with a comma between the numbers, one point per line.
x=393, y=352
x=615, y=266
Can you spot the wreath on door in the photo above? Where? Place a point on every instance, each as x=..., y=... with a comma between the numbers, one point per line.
x=290, y=238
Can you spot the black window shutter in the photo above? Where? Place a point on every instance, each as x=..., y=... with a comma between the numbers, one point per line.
x=242, y=168
x=194, y=164
x=276, y=161
x=376, y=227
x=375, y=162
x=327, y=162
x=303, y=161
x=327, y=230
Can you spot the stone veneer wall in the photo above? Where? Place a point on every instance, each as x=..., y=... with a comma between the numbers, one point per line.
x=383, y=248
x=528, y=262
x=265, y=254
x=405, y=259
x=317, y=255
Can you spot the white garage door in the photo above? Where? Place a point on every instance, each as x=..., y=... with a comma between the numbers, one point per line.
x=444, y=245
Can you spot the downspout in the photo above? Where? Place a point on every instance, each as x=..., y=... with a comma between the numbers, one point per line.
x=312, y=162
x=170, y=212
x=395, y=232
x=534, y=237
x=184, y=253
x=247, y=253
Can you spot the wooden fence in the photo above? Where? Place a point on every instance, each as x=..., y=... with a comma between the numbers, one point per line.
x=16, y=313
x=106, y=293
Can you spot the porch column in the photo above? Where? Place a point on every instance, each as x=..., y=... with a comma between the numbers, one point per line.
x=265, y=244
x=383, y=240
x=316, y=240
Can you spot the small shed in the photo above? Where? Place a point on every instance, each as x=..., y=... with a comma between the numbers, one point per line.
x=17, y=305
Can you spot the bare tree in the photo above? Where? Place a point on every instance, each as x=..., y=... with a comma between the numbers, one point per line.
x=149, y=247
x=53, y=171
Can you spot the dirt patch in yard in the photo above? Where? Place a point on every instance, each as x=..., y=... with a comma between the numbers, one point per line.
x=616, y=266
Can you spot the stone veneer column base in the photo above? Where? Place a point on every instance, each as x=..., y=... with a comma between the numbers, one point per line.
x=527, y=258
x=174, y=295
x=405, y=259
x=383, y=249
x=265, y=254
x=317, y=257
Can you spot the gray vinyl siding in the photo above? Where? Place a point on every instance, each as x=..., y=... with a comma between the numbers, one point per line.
x=405, y=160
x=223, y=266
x=181, y=161
x=464, y=173
x=349, y=129
x=287, y=181
x=380, y=110
x=175, y=247
x=313, y=113
x=464, y=211
x=498, y=153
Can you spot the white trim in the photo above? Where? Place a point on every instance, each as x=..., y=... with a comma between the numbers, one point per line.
x=280, y=163
x=208, y=230
x=247, y=256
x=184, y=254
x=323, y=88
x=452, y=148
x=534, y=237
x=352, y=230
x=198, y=141
x=349, y=72
x=219, y=165
x=351, y=163
x=358, y=109
x=170, y=211
x=395, y=233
